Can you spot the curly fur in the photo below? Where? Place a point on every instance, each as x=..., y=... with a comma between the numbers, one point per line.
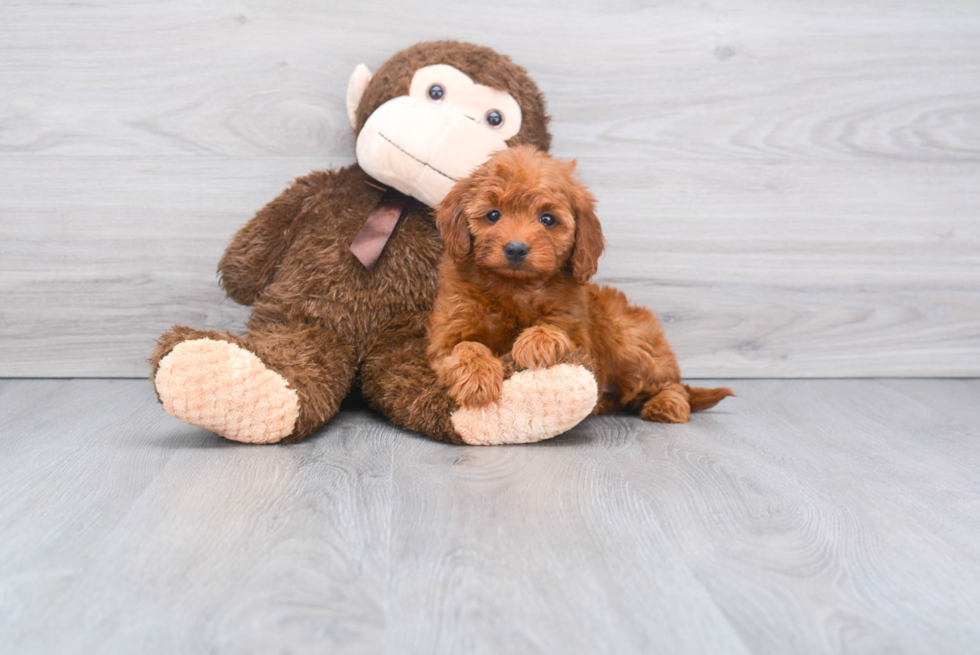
x=494, y=312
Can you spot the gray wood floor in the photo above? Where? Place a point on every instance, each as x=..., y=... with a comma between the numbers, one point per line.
x=803, y=516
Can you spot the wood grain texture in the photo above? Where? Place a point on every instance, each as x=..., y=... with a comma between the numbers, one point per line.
x=744, y=79
x=821, y=516
x=751, y=281
x=793, y=187
x=577, y=565
x=131, y=523
x=804, y=519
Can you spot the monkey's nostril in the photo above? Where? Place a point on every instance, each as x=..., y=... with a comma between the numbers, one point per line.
x=516, y=251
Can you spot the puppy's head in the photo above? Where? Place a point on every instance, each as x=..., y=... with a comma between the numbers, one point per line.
x=522, y=215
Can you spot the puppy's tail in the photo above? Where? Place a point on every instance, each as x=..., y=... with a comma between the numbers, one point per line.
x=702, y=399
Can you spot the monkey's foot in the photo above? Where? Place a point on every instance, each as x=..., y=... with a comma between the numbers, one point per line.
x=224, y=388
x=534, y=405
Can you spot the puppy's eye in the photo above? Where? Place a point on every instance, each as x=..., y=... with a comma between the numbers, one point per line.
x=547, y=220
x=493, y=216
x=436, y=92
x=494, y=118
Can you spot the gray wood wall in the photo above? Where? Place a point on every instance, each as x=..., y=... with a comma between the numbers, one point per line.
x=793, y=186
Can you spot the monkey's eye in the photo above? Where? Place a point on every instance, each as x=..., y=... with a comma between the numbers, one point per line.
x=493, y=216
x=494, y=118
x=436, y=92
x=547, y=220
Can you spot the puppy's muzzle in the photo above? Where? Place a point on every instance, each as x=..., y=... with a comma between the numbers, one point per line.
x=516, y=251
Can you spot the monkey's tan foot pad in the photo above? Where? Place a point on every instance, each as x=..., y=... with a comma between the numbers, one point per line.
x=224, y=388
x=534, y=405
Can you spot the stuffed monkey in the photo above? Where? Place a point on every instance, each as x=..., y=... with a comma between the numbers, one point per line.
x=341, y=269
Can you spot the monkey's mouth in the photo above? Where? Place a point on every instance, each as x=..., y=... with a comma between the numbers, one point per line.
x=424, y=163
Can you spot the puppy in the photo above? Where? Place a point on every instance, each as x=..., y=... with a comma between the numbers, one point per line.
x=521, y=242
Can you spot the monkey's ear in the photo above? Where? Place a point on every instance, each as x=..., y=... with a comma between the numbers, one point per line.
x=359, y=81
x=589, y=242
x=451, y=221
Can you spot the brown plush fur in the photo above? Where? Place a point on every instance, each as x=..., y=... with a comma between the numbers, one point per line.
x=541, y=310
x=320, y=319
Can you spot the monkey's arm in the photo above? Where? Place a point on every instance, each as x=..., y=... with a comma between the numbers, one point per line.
x=254, y=254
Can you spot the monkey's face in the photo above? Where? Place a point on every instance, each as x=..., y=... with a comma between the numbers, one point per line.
x=447, y=125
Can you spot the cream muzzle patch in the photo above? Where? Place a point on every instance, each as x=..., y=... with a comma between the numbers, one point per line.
x=446, y=126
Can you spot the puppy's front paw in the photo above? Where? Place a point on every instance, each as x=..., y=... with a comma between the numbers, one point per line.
x=475, y=376
x=540, y=347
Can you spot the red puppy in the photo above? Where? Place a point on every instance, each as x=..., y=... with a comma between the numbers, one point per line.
x=522, y=241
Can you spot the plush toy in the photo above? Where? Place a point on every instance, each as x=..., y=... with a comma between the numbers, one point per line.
x=341, y=272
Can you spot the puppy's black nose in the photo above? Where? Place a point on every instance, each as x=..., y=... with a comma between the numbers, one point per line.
x=516, y=251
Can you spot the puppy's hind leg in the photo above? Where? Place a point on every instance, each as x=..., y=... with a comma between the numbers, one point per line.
x=643, y=370
x=669, y=405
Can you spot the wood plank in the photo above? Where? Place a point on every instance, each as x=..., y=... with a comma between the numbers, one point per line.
x=813, y=505
x=539, y=549
x=796, y=269
x=789, y=270
x=834, y=81
x=802, y=516
x=951, y=399
x=86, y=286
x=126, y=530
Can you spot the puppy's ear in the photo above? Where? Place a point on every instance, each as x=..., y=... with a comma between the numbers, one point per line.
x=451, y=220
x=589, y=242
